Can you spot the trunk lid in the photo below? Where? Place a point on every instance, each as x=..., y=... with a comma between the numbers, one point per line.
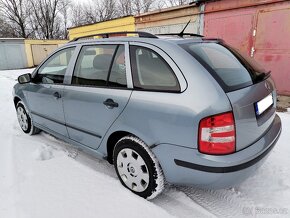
x=250, y=127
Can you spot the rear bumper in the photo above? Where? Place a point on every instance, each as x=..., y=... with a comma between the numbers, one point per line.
x=186, y=166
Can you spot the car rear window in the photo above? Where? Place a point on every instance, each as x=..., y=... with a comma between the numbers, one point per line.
x=230, y=68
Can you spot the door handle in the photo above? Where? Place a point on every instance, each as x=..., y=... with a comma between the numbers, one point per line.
x=56, y=95
x=110, y=103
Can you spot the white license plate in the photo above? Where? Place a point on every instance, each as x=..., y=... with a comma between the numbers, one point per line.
x=262, y=105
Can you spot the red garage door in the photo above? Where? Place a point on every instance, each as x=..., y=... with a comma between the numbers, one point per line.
x=235, y=27
x=259, y=28
x=272, y=45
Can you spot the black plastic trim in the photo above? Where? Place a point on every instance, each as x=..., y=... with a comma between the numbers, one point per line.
x=229, y=169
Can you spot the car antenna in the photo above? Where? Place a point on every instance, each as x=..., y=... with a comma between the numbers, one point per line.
x=181, y=33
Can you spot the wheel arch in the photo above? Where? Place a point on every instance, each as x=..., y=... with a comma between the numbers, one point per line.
x=111, y=142
x=16, y=100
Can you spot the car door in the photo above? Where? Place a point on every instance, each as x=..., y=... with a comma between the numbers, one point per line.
x=98, y=93
x=46, y=90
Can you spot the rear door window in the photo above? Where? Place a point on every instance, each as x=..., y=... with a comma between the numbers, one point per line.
x=232, y=70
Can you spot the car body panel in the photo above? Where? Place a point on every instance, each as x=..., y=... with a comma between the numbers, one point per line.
x=249, y=127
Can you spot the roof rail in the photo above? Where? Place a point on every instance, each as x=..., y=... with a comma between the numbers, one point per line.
x=107, y=35
x=180, y=35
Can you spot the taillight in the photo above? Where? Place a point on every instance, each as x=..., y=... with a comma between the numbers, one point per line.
x=217, y=134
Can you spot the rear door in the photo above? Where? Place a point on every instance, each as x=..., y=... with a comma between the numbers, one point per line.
x=249, y=88
x=98, y=93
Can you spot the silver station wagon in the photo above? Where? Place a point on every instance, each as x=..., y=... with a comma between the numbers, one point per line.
x=184, y=109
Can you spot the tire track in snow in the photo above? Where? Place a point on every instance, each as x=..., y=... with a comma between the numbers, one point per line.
x=222, y=203
x=178, y=204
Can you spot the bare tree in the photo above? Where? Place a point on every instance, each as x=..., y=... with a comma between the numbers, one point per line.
x=90, y=12
x=159, y=4
x=147, y=5
x=142, y=6
x=178, y=2
x=45, y=18
x=126, y=7
x=102, y=10
x=105, y=9
x=64, y=7
x=16, y=14
x=78, y=15
x=6, y=31
x=98, y=10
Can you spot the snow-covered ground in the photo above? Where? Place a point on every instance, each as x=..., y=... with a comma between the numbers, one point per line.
x=41, y=176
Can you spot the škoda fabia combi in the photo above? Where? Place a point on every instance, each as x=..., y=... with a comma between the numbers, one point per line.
x=186, y=110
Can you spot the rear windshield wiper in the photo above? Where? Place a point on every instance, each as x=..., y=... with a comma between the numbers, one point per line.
x=262, y=76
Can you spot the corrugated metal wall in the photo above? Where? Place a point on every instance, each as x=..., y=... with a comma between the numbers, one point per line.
x=12, y=54
x=259, y=28
x=171, y=20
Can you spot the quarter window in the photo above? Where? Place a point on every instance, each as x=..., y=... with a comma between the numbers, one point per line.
x=101, y=65
x=151, y=71
x=53, y=70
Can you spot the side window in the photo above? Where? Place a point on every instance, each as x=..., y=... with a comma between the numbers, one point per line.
x=118, y=72
x=94, y=66
x=150, y=71
x=53, y=70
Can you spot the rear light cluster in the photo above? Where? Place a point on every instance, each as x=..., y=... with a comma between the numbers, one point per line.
x=217, y=134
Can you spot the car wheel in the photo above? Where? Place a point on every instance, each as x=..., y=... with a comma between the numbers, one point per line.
x=137, y=167
x=24, y=120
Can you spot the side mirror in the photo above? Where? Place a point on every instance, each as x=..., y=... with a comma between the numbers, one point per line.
x=25, y=78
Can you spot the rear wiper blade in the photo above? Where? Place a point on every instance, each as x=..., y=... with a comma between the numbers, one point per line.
x=263, y=76
x=182, y=33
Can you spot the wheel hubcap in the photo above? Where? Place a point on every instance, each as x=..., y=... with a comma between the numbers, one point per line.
x=133, y=170
x=22, y=118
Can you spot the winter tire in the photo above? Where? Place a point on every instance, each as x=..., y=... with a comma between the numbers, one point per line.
x=137, y=167
x=24, y=120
